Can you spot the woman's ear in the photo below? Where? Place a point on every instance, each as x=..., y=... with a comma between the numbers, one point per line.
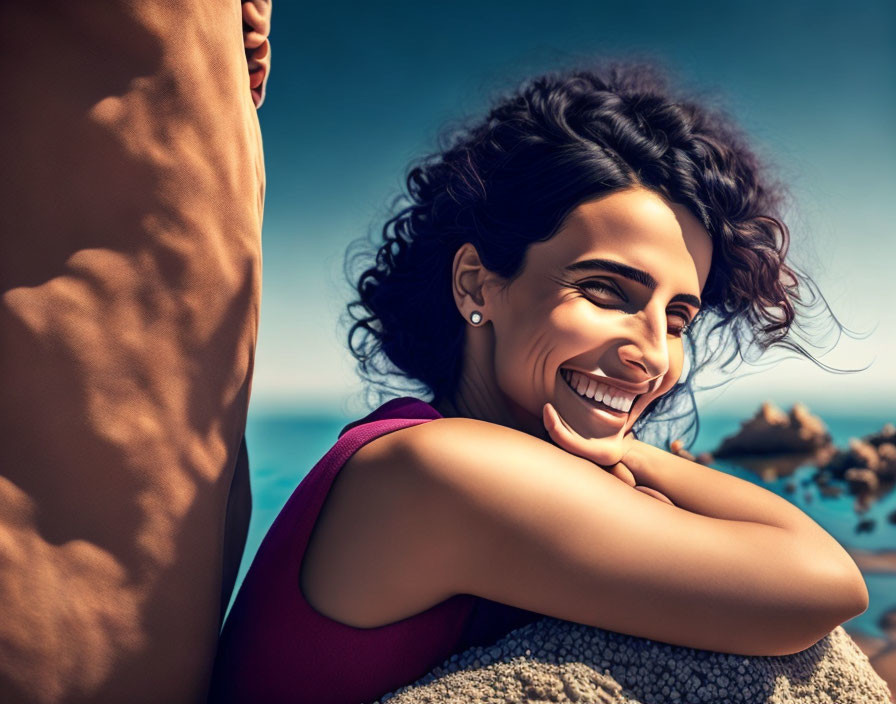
x=256, y=28
x=470, y=281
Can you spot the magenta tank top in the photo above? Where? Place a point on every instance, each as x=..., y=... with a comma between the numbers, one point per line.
x=276, y=648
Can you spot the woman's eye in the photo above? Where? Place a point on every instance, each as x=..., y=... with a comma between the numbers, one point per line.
x=679, y=330
x=599, y=286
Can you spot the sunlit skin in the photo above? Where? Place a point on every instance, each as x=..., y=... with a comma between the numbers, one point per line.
x=548, y=318
x=129, y=319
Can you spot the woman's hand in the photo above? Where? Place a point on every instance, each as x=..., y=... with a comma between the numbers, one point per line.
x=654, y=493
x=256, y=27
x=606, y=453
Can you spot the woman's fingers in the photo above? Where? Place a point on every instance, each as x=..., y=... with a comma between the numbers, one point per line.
x=259, y=70
x=257, y=14
x=562, y=434
x=624, y=473
x=256, y=27
x=654, y=493
x=253, y=39
x=604, y=452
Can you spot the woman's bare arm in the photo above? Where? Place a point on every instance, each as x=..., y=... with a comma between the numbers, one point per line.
x=515, y=519
x=709, y=492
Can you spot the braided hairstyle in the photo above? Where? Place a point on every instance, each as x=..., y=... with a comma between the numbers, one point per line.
x=510, y=179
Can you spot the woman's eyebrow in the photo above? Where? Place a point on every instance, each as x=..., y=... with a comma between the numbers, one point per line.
x=629, y=272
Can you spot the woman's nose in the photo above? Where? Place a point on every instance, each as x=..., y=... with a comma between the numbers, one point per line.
x=648, y=348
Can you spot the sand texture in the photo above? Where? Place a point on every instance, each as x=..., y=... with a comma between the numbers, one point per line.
x=557, y=661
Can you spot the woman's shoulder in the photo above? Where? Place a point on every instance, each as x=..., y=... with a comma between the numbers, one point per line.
x=412, y=429
x=451, y=443
x=395, y=474
x=403, y=407
x=415, y=512
x=372, y=529
x=442, y=445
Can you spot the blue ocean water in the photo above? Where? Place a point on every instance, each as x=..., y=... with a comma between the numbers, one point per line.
x=283, y=447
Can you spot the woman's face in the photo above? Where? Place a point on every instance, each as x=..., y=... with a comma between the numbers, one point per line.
x=606, y=298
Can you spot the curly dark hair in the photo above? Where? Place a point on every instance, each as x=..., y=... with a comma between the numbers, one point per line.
x=511, y=179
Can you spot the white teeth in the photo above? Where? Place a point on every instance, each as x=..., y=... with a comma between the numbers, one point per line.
x=591, y=388
x=581, y=384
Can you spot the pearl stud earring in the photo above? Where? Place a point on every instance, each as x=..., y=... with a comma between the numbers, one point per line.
x=475, y=317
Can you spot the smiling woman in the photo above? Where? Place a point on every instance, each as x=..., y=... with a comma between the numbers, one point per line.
x=555, y=264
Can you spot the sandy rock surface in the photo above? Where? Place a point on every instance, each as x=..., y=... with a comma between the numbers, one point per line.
x=557, y=661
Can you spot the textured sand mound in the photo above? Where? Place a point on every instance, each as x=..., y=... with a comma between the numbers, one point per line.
x=558, y=661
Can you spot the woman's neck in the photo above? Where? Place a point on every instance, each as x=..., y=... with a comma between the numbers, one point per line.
x=478, y=396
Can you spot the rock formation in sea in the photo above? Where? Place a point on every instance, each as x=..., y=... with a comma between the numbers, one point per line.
x=773, y=432
x=867, y=465
x=868, y=461
x=775, y=444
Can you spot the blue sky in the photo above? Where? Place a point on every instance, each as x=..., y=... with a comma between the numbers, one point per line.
x=358, y=90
